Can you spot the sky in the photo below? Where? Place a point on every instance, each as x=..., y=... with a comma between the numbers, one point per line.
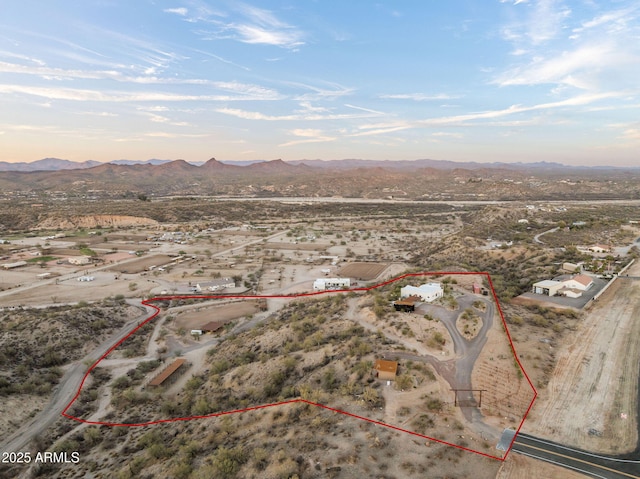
x=461, y=80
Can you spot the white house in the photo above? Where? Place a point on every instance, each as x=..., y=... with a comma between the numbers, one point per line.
x=581, y=282
x=322, y=284
x=571, y=287
x=428, y=292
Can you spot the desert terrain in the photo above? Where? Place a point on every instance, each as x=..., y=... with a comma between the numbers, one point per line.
x=591, y=399
x=311, y=359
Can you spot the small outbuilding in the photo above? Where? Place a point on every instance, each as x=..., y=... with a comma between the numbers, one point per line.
x=570, y=267
x=169, y=374
x=212, y=326
x=17, y=264
x=79, y=260
x=386, y=370
x=408, y=305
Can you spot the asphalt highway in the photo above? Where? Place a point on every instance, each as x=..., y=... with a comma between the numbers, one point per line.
x=589, y=464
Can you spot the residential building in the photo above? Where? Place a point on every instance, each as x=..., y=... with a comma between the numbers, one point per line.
x=322, y=284
x=571, y=287
x=427, y=292
x=581, y=282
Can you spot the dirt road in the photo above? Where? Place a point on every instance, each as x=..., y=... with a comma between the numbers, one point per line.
x=66, y=390
x=591, y=400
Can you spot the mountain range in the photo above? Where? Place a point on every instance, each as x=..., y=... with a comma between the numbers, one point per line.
x=419, y=179
x=55, y=164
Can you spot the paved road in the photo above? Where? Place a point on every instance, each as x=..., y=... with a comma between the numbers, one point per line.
x=592, y=465
x=67, y=388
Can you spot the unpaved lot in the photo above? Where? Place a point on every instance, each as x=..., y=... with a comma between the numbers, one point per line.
x=142, y=264
x=591, y=400
x=518, y=466
x=363, y=271
x=195, y=319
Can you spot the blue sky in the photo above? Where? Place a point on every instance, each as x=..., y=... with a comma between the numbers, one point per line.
x=473, y=80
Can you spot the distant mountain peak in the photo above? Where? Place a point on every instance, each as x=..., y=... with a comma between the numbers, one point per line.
x=47, y=164
x=213, y=164
x=277, y=166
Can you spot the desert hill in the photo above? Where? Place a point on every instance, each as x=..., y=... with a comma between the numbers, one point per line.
x=420, y=179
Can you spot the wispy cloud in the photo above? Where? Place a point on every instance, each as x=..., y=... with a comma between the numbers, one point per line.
x=361, y=108
x=166, y=120
x=579, y=100
x=264, y=27
x=254, y=115
x=374, y=129
x=446, y=134
x=309, y=136
x=615, y=21
x=547, y=20
x=222, y=59
x=247, y=24
x=631, y=134
x=329, y=91
x=571, y=68
x=542, y=21
x=419, y=96
x=254, y=91
x=594, y=56
x=164, y=134
x=178, y=11
x=6, y=54
x=104, y=114
x=381, y=131
x=74, y=94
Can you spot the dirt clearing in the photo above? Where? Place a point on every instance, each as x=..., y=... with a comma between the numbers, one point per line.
x=142, y=264
x=224, y=313
x=591, y=400
x=518, y=466
x=362, y=271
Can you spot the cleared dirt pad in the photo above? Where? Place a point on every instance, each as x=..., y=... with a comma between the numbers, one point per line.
x=591, y=399
x=363, y=271
x=520, y=467
x=142, y=264
x=227, y=312
x=297, y=246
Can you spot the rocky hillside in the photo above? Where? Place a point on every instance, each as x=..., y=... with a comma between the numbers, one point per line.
x=94, y=221
x=279, y=178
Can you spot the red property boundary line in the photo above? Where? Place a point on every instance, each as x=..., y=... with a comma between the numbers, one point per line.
x=148, y=302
